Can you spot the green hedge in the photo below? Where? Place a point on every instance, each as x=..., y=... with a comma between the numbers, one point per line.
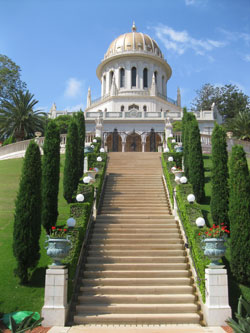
x=92, y=160
x=81, y=213
x=188, y=214
x=168, y=176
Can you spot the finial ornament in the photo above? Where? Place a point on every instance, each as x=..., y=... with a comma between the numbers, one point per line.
x=133, y=27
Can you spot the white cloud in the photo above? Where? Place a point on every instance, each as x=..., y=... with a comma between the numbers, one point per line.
x=236, y=36
x=246, y=57
x=181, y=41
x=75, y=108
x=189, y=2
x=195, y=2
x=73, y=87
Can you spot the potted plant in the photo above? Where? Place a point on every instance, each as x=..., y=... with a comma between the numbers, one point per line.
x=214, y=242
x=92, y=173
x=58, y=245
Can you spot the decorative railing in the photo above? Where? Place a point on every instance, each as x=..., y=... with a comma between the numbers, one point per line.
x=23, y=145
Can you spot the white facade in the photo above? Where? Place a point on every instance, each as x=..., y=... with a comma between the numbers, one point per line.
x=134, y=77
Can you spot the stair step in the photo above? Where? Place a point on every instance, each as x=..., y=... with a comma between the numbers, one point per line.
x=136, y=267
x=137, y=260
x=138, y=319
x=136, y=308
x=176, y=281
x=136, y=274
x=163, y=237
x=111, y=217
x=126, y=242
x=140, y=290
x=137, y=299
x=147, y=247
x=137, y=253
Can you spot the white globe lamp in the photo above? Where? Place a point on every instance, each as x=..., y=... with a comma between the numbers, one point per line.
x=170, y=159
x=173, y=141
x=183, y=180
x=86, y=179
x=170, y=135
x=102, y=150
x=200, y=222
x=99, y=159
x=80, y=197
x=173, y=169
x=71, y=222
x=95, y=141
x=92, y=146
x=166, y=150
x=191, y=198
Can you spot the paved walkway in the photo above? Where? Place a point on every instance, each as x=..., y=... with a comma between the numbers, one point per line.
x=136, y=329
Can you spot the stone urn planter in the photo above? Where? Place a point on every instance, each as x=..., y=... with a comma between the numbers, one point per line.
x=91, y=174
x=178, y=174
x=214, y=249
x=57, y=249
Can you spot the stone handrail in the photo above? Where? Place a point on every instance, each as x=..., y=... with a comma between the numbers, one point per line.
x=21, y=146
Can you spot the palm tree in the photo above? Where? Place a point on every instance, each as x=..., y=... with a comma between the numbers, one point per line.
x=18, y=118
x=240, y=125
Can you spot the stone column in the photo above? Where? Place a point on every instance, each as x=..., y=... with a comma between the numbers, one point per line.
x=143, y=146
x=55, y=306
x=216, y=308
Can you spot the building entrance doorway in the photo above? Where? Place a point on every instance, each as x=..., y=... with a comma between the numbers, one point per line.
x=114, y=141
x=152, y=142
x=133, y=143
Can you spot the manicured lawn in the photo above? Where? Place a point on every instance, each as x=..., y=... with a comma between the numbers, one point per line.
x=235, y=289
x=14, y=297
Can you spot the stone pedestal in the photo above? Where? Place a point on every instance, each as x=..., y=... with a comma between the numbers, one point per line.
x=54, y=310
x=216, y=308
x=85, y=164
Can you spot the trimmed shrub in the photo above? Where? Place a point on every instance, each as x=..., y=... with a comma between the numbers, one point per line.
x=195, y=160
x=219, y=180
x=239, y=215
x=92, y=160
x=27, y=218
x=80, y=121
x=50, y=176
x=168, y=176
x=71, y=173
x=188, y=214
x=188, y=117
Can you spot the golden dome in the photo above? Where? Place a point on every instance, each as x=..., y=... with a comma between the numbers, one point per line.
x=134, y=42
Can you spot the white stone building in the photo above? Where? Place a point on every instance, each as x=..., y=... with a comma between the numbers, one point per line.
x=134, y=109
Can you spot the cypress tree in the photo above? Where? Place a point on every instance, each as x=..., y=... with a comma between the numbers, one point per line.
x=50, y=176
x=71, y=172
x=27, y=218
x=219, y=180
x=239, y=215
x=195, y=160
x=186, y=132
x=80, y=121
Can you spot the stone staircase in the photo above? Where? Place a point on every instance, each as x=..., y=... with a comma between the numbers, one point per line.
x=137, y=270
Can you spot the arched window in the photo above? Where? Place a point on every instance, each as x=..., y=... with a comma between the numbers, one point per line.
x=133, y=76
x=133, y=106
x=122, y=108
x=162, y=88
x=104, y=85
x=122, y=77
x=111, y=74
x=155, y=74
x=145, y=78
x=144, y=108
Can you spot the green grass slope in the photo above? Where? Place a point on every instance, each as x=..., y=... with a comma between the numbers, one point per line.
x=14, y=297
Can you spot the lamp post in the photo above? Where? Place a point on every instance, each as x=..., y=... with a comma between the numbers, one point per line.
x=200, y=222
x=191, y=198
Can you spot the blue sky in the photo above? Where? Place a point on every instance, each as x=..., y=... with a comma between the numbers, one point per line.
x=59, y=43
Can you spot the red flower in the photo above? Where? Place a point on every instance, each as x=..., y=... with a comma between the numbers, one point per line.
x=209, y=234
x=65, y=230
x=53, y=228
x=211, y=229
x=222, y=223
x=199, y=234
x=59, y=229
